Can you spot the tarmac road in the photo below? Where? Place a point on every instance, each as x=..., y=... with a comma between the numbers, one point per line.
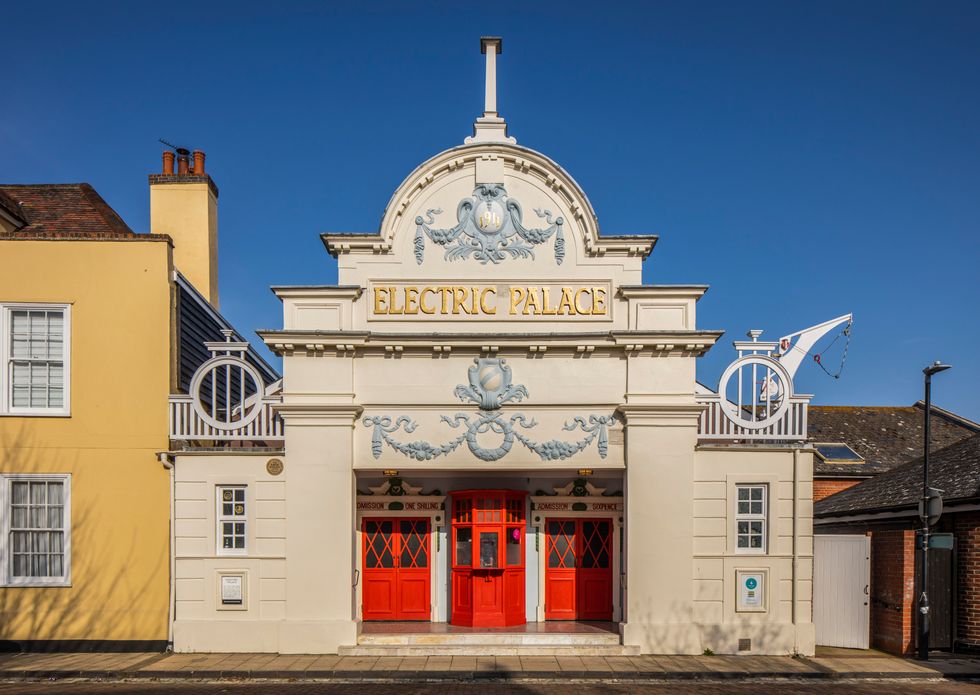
x=756, y=687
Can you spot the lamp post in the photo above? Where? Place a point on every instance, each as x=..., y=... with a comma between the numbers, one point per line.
x=934, y=368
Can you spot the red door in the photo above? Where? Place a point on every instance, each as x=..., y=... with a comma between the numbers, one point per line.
x=396, y=569
x=578, y=574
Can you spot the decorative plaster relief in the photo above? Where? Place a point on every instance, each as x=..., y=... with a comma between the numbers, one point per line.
x=490, y=228
x=490, y=387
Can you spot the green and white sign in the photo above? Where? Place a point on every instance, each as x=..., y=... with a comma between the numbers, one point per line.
x=751, y=590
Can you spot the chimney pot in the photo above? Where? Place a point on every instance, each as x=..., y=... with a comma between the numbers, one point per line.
x=168, y=162
x=183, y=163
x=198, y=163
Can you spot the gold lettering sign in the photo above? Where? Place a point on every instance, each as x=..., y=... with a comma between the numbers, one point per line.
x=513, y=302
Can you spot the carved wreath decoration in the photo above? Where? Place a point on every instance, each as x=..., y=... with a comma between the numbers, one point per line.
x=490, y=387
x=490, y=228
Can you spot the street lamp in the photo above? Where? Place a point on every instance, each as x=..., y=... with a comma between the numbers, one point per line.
x=924, y=513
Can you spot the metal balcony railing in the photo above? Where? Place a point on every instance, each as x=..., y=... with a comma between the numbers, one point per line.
x=788, y=426
x=187, y=423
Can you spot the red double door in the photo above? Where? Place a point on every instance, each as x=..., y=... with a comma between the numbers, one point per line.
x=578, y=570
x=396, y=569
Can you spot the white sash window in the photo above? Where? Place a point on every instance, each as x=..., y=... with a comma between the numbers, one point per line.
x=36, y=529
x=35, y=352
x=751, y=518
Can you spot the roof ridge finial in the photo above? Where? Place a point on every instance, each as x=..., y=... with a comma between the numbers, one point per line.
x=490, y=127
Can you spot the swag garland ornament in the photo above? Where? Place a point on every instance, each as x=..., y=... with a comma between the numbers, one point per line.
x=490, y=386
x=490, y=228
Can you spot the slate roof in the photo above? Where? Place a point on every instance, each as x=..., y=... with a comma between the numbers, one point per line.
x=885, y=436
x=62, y=211
x=955, y=470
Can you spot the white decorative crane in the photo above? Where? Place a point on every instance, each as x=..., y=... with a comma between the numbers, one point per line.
x=790, y=354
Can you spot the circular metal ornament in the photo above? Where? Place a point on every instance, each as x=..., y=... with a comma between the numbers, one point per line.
x=274, y=466
x=209, y=368
x=785, y=390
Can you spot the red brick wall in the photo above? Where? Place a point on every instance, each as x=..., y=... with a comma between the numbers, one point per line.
x=967, y=529
x=893, y=591
x=825, y=488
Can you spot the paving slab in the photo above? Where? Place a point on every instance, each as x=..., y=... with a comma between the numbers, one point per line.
x=531, y=664
x=438, y=664
x=508, y=665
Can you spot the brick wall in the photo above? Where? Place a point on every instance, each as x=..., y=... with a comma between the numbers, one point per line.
x=893, y=591
x=967, y=529
x=826, y=488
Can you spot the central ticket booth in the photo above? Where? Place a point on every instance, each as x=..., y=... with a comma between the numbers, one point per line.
x=488, y=558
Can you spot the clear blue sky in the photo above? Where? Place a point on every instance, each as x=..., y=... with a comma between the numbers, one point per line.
x=805, y=160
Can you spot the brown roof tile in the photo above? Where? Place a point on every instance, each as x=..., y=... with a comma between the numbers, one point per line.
x=955, y=470
x=885, y=436
x=61, y=211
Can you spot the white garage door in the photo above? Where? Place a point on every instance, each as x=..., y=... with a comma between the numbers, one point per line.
x=841, y=579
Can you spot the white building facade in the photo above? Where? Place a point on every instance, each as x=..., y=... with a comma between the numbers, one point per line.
x=490, y=421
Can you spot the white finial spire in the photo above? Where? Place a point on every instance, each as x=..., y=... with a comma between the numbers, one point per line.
x=490, y=46
x=490, y=127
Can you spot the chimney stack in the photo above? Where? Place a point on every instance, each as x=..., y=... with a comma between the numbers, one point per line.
x=184, y=206
x=198, y=163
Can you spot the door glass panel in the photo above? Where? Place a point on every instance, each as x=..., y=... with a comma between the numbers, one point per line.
x=489, y=547
x=378, y=551
x=413, y=547
x=561, y=545
x=464, y=546
x=595, y=546
x=514, y=534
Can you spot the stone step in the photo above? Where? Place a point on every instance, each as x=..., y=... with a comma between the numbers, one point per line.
x=489, y=638
x=489, y=650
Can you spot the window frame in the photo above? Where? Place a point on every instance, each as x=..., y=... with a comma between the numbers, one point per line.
x=7, y=407
x=750, y=517
x=7, y=578
x=220, y=519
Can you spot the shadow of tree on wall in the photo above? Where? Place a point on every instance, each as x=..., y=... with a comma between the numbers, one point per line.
x=105, y=605
x=721, y=639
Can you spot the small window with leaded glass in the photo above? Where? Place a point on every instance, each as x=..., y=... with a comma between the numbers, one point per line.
x=232, y=520
x=751, y=514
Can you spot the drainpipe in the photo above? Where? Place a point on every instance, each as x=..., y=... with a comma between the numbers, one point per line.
x=168, y=463
x=796, y=557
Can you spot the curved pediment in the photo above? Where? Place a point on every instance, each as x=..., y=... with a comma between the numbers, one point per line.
x=484, y=210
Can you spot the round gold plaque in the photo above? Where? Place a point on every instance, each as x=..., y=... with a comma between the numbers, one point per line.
x=274, y=466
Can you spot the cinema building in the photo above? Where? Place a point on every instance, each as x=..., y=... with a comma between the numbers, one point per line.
x=490, y=426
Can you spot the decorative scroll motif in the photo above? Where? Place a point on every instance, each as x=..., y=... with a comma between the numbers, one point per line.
x=395, y=487
x=490, y=386
x=490, y=228
x=580, y=487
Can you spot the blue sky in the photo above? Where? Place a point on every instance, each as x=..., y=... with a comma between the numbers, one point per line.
x=805, y=160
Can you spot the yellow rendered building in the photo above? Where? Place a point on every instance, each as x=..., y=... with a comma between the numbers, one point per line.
x=92, y=321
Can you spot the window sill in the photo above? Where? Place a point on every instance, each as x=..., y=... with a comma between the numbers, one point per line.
x=60, y=584
x=36, y=413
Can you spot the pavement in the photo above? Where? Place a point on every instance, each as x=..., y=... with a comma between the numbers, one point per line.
x=827, y=664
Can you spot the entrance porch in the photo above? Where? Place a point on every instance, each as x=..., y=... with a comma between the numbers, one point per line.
x=493, y=552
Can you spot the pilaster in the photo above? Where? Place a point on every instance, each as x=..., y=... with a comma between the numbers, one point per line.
x=320, y=535
x=659, y=488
